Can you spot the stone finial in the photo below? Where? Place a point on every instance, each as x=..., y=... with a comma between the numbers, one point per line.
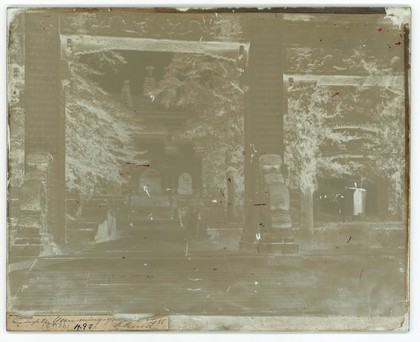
x=126, y=99
x=149, y=84
x=150, y=69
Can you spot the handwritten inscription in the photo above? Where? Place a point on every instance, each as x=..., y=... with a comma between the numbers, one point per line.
x=84, y=323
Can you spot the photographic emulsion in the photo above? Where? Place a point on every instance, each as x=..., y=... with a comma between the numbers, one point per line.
x=225, y=169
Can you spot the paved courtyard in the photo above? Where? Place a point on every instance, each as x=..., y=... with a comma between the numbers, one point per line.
x=151, y=269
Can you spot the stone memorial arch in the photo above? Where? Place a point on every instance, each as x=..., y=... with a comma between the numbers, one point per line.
x=261, y=54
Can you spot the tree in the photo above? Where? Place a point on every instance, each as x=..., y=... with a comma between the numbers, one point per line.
x=16, y=113
x=16, y=122
x=209, y=88
x=307, y=129
x=372, y=146
x=391, y=158
x=98, y=128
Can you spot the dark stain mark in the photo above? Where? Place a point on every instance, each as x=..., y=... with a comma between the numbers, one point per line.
x=397, y=43
x=214, y=269
x=257, y=204
x=261, y=224
x=320, y=40
x=229, y=180
x=258, y=250
x=361, y=273
x=123, y=257
x=380, y=29
x=137, y=165
x=349, y=239
x=337, y=93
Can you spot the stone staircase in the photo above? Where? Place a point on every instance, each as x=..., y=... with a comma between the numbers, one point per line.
x=26, y=237
x=29, y=235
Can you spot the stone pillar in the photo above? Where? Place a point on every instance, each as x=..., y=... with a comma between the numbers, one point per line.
x=264, y=110
x=275, y=225
x=149, y=84
x=231, y=196
x=45, y=109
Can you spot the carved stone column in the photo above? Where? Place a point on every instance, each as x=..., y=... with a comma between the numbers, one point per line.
x=264, y=110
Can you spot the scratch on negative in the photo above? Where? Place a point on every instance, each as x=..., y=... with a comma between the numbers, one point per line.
x=194, y=279
x=33, y=264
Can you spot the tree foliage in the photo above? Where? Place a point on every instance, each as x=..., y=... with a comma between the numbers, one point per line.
x=209, y=88
x=371, y=146
x=308, y=128
x=16, y=121
x=16, y=113
x=390, y=150
x=98, y=128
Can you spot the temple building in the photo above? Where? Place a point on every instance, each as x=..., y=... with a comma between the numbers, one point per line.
x=167, y=167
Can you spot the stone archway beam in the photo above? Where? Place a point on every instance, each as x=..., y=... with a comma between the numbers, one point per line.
x=391, y=81
x=84, y=44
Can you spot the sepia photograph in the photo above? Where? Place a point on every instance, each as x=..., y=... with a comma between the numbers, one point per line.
x=224, y=169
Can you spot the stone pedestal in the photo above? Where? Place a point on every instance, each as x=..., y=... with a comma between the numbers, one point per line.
x=274, y=225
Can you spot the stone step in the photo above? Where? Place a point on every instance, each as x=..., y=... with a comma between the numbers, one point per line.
x=81, y=225
x=285, y=236
x=30, y=220
x=25, y=250
x=82, y=235
x=27, y=231
x=278, y=248
x=28, y=240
